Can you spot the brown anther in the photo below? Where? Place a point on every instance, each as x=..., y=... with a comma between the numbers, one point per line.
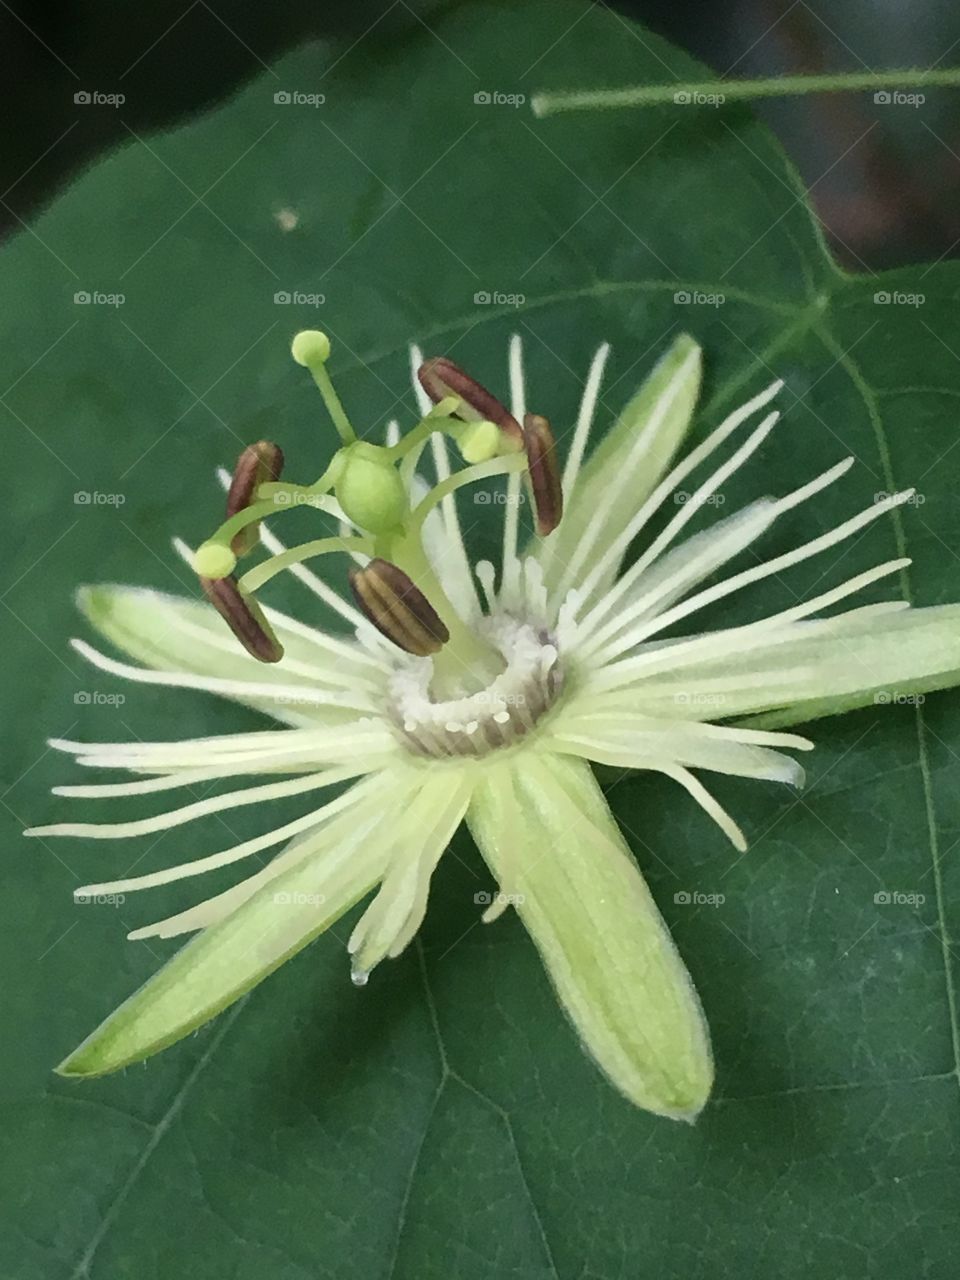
x=244, y=617
x=543, y=471
x=398, y=608
x=257, y=464
x=440, y=378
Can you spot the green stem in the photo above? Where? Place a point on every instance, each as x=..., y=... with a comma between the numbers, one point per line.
x=254, y=578
x=246, y=515
x=330, y=398
x=273, y=498
x=722, y=91
x=418, y=435
x=469, y=475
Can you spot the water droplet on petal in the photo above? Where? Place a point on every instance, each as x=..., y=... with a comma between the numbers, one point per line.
x=359, y=977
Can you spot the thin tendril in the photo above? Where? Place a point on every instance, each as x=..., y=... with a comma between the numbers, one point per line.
x=716, y=92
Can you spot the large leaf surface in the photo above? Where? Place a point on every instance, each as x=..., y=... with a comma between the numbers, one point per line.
x=444, y=1121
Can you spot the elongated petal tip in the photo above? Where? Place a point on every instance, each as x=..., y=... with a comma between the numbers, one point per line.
x=244, y=618
x=544, y=472
x=605, y=945
x=73, y=1069
x=398, y=608
x=441, y=378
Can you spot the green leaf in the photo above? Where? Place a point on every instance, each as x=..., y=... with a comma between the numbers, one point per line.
x=444, y=1120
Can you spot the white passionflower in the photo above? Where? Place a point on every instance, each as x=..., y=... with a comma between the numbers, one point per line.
x=446, y=703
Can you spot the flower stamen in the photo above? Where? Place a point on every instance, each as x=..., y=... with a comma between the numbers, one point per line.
x=398, y=608
x=441, y=378
x=244, y=617
x=543, y=471
x=257, y=464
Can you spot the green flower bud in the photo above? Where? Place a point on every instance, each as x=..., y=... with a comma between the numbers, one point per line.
x=370, y=490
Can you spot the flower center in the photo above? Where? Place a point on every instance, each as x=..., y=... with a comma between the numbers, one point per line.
x=488, y=719
x=371, y=488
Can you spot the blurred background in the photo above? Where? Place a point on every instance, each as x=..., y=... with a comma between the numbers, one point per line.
x=884, y=188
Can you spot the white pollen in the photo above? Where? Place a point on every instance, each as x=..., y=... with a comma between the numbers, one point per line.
x=502, y=717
